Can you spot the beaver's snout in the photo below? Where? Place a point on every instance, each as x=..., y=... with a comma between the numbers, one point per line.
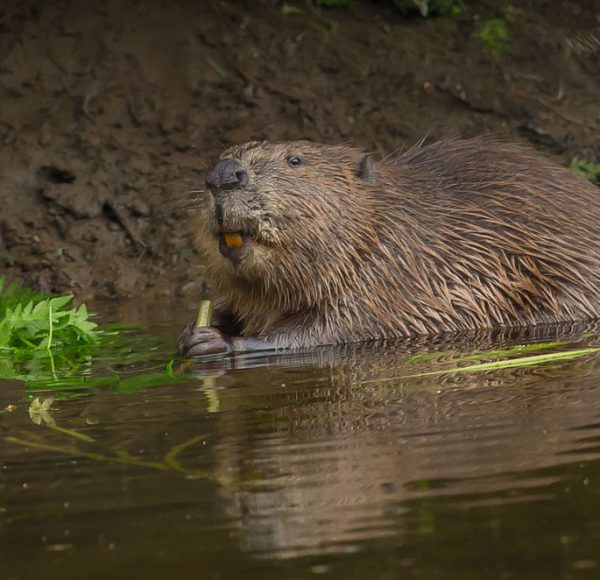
x=227, y=174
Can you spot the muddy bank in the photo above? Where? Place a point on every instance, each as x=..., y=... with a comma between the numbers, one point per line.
x=111, y=110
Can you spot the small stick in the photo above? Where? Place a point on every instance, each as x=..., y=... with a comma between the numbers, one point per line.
x=205, y=311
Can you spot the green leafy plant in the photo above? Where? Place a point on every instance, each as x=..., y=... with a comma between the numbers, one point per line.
x=587, y=169
x=49, y=345
x=40, y=336
x=495, y=35
x=45, y=324
x=30, y=321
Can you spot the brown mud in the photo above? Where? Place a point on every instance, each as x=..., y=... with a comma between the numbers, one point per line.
x=110, y=111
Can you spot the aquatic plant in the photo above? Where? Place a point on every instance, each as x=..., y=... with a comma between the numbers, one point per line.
x=39, y=333
x=51, y=346
x=511, y=363
x=45, y=324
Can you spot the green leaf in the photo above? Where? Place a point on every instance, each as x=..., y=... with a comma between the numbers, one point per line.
x=57, y=303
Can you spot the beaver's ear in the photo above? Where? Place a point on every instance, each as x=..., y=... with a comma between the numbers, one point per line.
x=365, y=170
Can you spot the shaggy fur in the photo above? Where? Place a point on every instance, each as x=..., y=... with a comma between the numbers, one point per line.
x=459, y=235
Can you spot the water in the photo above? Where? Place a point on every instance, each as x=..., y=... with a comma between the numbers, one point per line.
x=335, y=464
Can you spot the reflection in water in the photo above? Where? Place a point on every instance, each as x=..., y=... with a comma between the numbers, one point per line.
x=357, y=454
x=327, y=462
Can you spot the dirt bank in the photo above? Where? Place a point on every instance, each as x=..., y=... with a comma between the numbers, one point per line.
x=110, y=110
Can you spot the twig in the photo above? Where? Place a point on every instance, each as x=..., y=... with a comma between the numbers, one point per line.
x=204, y=314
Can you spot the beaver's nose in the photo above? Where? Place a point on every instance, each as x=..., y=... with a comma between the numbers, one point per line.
x=227, y=174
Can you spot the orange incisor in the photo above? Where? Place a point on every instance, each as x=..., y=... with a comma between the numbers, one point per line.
x=233, y=240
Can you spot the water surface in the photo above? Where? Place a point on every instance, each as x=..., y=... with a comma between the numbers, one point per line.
x=350, y=463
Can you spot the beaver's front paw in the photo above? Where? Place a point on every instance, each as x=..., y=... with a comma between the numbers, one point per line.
x=202, y=341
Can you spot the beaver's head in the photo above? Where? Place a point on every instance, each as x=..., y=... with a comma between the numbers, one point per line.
x=284, y=210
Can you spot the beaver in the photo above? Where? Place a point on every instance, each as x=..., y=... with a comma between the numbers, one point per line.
x=308, y=244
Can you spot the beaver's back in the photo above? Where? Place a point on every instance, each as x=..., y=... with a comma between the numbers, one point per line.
x=480, y=233
x=495, y=176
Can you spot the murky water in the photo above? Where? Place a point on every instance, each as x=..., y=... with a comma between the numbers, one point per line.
x=335, y=464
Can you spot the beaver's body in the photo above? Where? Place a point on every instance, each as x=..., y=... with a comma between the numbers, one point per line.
x=333, y=248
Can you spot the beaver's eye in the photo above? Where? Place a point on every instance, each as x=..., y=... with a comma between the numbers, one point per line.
x=294, y=161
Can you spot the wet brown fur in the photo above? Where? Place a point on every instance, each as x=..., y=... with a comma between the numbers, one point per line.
x=458, y=235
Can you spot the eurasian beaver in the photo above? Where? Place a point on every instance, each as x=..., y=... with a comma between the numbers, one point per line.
x=308, y=244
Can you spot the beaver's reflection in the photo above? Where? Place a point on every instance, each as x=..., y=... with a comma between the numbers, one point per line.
x=324, y=449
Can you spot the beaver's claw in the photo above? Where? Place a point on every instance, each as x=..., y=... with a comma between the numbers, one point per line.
x=202, y=341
